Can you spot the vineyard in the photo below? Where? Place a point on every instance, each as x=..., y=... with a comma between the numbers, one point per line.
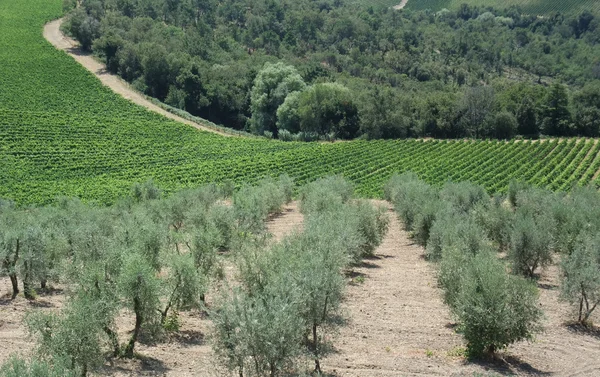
x=63, y=133
x=531, y=6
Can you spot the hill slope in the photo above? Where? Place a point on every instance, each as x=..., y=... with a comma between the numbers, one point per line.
x=529, y=6
x=63, y=133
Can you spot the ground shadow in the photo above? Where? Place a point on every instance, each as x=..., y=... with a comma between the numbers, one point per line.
x=509, y=365
x=579, y=329
x=365, y=264
x=148, y=366
x=547, y=287
x=188, y=338
x=379, y=257
x=40, y=304
x=278, y=215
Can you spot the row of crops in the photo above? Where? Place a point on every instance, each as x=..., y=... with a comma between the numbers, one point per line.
x=63, y=133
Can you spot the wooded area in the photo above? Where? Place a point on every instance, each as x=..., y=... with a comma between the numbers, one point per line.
x=473, y=72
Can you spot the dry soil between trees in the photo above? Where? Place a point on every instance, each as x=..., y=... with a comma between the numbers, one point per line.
x=396, y=325
x=53, y=35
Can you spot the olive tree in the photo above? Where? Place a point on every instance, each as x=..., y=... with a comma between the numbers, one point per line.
x=581, y=277
x=530, y=243
x=18, y=367
x=262, y=332
x=139, y=288
x=494, y=308
x=74, y=335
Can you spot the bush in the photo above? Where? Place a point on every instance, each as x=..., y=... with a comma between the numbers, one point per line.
x=514, y=189
x=576, y=214
x=17, y=367
x=497, y=221
x=530, y=243
x=262, y=332
x=373, y=224
x=75, y=335
x=324, y=194
x=453, y=265
x=451, y=230
x=463, y=196
x=253, y=204
x=140, y=289
x=409, y=195
x=581, y=277
x=424, y=220
x=495, y=309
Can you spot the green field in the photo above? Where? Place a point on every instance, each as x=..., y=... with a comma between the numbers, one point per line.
x=529, y=6
x=63, y=133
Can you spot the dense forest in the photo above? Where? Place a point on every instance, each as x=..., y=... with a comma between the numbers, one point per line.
x=303, y=69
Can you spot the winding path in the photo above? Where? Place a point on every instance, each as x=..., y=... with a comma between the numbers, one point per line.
x=401, y=5
x=53, y=35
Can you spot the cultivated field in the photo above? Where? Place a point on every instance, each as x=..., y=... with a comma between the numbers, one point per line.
x=394, y=321
x=63, y=133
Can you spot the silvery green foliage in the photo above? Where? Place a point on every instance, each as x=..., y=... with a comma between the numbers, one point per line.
x=494, y=308
x=325, y=193
x=18, y=367
x=253, y=204
x=530, y=243
x=75, y=335
x=139, y=288
x=410, y=196
x=292, y=290
x=581, y=277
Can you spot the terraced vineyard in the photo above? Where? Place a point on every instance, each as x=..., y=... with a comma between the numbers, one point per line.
x=63, y=133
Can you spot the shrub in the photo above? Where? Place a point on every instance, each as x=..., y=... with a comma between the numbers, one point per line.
x=453, y=264
x=183, y=286
x=514, y=189
x=581, y=277
x=497, y=221
x=576, y=214
x=424, y=220
x=262, y=332
x=455, y=230
x=530, y=243
x=495, y=309
x=75, y=335
x=139, y=289
x=409, y=195
x=17, y=367
x=325, y=193
x=463, y=196
x=253, y=204
x=373, y=224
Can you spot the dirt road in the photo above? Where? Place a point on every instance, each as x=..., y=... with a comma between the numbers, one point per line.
x=401, y=5
x=53, y=35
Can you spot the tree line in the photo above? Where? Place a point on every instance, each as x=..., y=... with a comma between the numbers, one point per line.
x=330, y=69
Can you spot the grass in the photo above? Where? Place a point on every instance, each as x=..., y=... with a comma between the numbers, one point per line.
x=64, y=134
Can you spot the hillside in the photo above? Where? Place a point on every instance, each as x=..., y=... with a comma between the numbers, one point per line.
x=530, y=6
x=63, y=133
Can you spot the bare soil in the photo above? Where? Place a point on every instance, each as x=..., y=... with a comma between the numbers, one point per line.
x=289, y=220
x=401, y=5
x=53, y=35
x=396, y=325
